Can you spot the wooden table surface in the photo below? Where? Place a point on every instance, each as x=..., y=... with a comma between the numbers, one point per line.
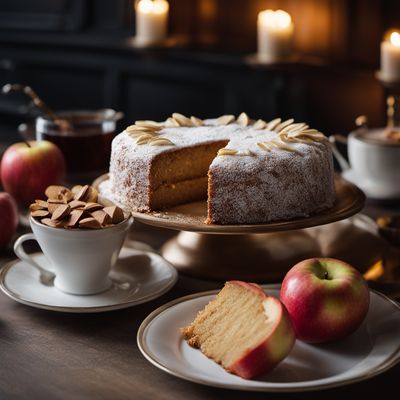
x=50, y=355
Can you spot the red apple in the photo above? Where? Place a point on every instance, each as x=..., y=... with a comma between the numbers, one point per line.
x=27, y=169
x=327, y=299
x=8, y=218
x=253, y=332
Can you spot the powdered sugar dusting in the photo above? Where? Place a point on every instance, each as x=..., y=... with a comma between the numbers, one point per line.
x=260, y=187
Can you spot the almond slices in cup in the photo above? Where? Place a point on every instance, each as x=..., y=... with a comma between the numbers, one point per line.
x=75, y=208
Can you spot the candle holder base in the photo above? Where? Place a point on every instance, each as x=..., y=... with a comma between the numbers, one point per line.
x=392, y=85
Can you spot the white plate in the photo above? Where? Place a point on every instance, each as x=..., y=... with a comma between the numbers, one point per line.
x=372, y=189
x=372, y=349
x=137, y=278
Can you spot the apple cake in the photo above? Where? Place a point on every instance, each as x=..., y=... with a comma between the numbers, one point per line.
x=249, y=171
x=243, y=329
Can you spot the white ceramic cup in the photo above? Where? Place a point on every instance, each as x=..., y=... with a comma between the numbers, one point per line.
x=80, y=259
x=375, y=163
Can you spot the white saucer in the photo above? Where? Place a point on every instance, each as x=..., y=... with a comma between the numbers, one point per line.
x=372, y=189
x=371, y=350
x=137, y=278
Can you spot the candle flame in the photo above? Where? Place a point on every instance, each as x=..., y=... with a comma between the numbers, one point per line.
x=395, y=39
x=275, y=19
x=153, y=7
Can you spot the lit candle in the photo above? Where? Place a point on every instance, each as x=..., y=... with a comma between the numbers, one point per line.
x=390, y=58
x=151, y=21
x=275, y=35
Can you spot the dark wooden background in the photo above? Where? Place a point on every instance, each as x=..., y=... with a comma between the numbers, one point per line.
x=78, y=54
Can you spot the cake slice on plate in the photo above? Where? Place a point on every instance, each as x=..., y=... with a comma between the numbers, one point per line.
x=243, y=329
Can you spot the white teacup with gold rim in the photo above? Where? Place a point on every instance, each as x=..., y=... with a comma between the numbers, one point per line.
x=81, y=259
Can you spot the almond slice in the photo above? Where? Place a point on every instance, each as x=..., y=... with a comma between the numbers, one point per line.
x=264, y=146
x=283, y=124
x=260, y=124
x=160, y=141
x=61, y=212
x=245, y=152
x=36, y=207
x=227, y=152
x=171, y=123
x=116, y=213
x=52, y=207
x=76, y=203
x=55, y=201
x=143, y=139
x=83, y=193
x=272, y=124
x=40, y=213
x=196, y=121
x=52, y=191
x=243, y=119
x=225, y=119
x=76, y=189
x=182, y=120
x=149, y=124
x=89, y=207
x=41, y=203
x=93, y=195
x=65, y=195
x=74, y=218
x=50, y=222
x=102, y=217
x=89, y=223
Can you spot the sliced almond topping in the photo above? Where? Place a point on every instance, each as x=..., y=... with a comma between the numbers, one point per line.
x=93, y=195
x=83, y=193
x=61, y=212
x=160, y=141
x=182, y=120
x=243, y=119
x=143, y=139
x=52, y=207
x=89, y=207
x=55, y=201
x=284, y=146
x=102, y=217
x=36, y=207
x=65, y=195
x=116, y=214
x=260, y=124
x=283, y=124
x=227, y=152
x=89, y=223
x=41, y=203
x=76, y=203
x=196, y=121
x=133, y=129
x=53, y=191
x=76, y=189
x=40, y=213
x=296, y=127
x=171, y=123
x=74, y=218
x=272, y=124
x=264, y=146
x=50, y=222
x=149, y=124
x=225, y=119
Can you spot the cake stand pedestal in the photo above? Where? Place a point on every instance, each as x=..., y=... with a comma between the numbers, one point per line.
x=259, y=252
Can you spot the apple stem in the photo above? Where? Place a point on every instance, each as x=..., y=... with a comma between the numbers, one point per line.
x=27, y=143
x=326, y=275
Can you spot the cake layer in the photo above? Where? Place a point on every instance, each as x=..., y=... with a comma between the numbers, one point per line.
x=183, y=164
x=169, y=195
x=230, y=325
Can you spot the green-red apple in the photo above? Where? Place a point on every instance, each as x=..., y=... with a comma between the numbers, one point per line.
x=327, y=299
x=27, y=168
x=8, y=218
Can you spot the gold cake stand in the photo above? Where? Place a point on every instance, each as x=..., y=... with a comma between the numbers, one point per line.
x=257, y=252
